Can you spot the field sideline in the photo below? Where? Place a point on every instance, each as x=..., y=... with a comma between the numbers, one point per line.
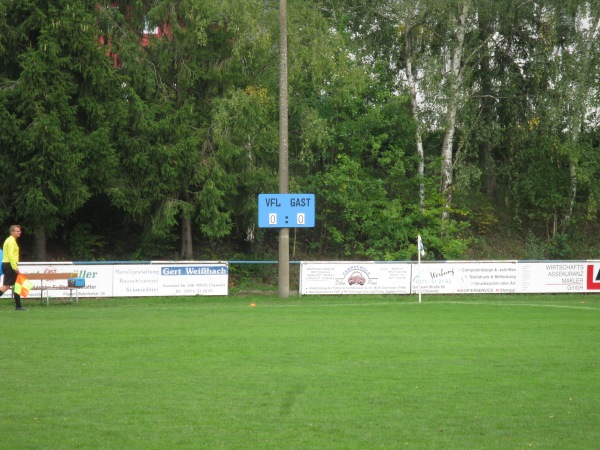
x=336, y=372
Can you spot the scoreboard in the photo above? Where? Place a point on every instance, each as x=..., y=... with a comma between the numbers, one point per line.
x=286, y=210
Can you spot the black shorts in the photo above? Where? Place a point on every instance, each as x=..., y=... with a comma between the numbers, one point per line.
x=10, y=276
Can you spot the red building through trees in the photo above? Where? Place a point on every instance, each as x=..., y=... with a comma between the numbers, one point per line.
x=144, y=39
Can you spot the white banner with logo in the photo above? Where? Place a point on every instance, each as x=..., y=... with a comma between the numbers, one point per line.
x=164, y=278
x=451, y=277
x=480, y=277
x=137, y=280
x=354, y=278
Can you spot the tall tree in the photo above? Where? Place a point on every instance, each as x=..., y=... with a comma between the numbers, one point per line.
x=58, y=102
x=578, y=31
x=179, y=58
x=559, y=65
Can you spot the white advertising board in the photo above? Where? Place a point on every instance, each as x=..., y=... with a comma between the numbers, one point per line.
x=593, y=276
x=165, y=278
x=138, y=280
x=478, y=277
x=322, y=278
x=175, y=279
x=98, y=278
x=560, y=277
x=453, y=277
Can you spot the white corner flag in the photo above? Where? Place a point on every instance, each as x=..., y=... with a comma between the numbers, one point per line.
x=420, y=252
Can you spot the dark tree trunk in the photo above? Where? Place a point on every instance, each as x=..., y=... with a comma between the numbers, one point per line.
x=39, y=244
x=187, y=249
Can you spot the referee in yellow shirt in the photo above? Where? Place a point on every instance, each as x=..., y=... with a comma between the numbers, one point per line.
x=10, y=264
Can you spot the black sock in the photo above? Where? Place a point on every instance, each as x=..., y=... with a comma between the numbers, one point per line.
x=17, y=300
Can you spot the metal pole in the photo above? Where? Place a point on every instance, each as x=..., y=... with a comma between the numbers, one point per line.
x=284, y=233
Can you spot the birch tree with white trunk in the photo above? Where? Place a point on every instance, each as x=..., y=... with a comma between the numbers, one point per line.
x=579, y=61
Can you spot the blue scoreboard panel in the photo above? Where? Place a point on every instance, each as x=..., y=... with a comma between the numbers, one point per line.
x=286, y=210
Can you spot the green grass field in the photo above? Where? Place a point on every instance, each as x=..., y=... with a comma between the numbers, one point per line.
x=378, y=372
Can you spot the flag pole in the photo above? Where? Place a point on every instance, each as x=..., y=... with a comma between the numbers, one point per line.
x=419, y=250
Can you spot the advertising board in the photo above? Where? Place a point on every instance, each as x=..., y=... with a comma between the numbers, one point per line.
x=482, y=277
x=560, y=277
x=354, y=278
x=160, y=278
x=176, y=279
x=453, y=277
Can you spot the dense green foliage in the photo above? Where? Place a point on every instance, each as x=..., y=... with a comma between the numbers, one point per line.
x=143, y=129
